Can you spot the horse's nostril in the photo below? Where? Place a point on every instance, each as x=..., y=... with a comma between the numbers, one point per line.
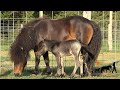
x=17, y=74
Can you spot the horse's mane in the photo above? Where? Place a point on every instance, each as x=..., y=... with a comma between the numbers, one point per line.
x=24, y=42
x=33, y=22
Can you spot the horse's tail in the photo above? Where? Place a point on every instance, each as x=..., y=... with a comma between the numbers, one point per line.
x=24, y=42
x=96, y=41
x=94, y=45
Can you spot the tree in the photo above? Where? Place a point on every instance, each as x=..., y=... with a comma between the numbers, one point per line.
x=6, y=14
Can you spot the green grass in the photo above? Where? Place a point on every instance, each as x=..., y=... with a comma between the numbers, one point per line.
x=4, y=58
x=105, y=57
x=27, y=74
x=7, y=70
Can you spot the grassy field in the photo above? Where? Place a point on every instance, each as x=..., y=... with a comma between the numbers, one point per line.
x=103, y=59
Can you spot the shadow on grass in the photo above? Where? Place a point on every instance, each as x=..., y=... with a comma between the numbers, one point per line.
x=6, y=73
x=42, y=71
x=28, y=71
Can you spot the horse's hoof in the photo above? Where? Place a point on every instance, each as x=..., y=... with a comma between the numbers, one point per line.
x=35, y=72
x=18, y=75
x=48, y=71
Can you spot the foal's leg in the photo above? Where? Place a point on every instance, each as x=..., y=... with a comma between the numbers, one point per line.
x=75, y=67
x=62, y=64
x=89, y=73
x=37, y=61
x=59, y=67
x=88, y=69
x=46, y=59
x=81, y=64
x=88, y=65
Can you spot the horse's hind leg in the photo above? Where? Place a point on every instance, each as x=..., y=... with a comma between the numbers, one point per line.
x=46, y=59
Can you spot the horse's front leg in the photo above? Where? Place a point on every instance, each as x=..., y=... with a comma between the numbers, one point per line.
x=37, y=61
x=46, y=59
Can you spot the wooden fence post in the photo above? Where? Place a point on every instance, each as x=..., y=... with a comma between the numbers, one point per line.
x=110, y=32
x=41, y=14
x=87, y=14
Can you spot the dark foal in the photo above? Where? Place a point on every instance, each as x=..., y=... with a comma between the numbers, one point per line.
x=60, y=49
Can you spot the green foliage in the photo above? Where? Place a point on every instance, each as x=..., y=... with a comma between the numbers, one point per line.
x=30, y=14
x=6, y=14
x=99, y=15
x=62, y=14
x=59, y=15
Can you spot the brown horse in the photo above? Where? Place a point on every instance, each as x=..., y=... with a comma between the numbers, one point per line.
x=70, y=28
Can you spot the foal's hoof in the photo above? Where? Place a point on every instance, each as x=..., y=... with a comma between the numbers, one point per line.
x=35, y=72
x=80, y=76
x=63, y=75
x=90, y=76
x=60, y=75
x=72, y=76
x=57, y=75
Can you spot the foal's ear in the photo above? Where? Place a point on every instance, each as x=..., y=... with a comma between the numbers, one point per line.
x=45, y=39
x=42, y=40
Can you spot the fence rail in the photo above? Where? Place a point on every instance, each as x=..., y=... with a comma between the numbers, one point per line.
x=10, y=28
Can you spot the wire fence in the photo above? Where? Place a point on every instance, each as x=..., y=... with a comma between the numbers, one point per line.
x=10, y=28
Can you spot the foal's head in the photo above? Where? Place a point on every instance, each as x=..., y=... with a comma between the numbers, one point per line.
x=46, y=45
x=42, y=47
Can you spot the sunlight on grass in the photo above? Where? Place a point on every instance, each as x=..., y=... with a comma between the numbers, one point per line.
x=103, y=59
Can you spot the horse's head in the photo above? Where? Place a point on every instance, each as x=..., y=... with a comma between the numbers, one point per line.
x=19, y=67
x=19, y=57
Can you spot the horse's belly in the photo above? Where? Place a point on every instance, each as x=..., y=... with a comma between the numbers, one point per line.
x=58, y=35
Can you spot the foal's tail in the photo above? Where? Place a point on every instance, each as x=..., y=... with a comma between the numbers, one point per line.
x=86, y=48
